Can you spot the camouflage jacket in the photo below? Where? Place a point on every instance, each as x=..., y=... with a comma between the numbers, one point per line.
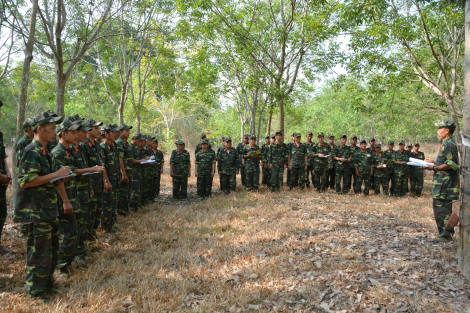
x=180, y=162
x=400, y=156
x=19, y=149
x=446, y=184
x=265, y=152
x=136, y=167
x=371, y=151
x=363, y=161
x=380, y=159
x=61, y=157
x=353, y=152
x=159, y=160
x=297, y=155
x=310, y=148
x=343, y=152
x=93, y=156
x=3, y=155
x=204, y=161
x=228, y=161
x=109, y=161
x=38, y=204
x=241, y=146
x=251, y=162
x=331, y=163
x=51, y=145
x=83, y=182
x=125, y=153
x=117, y=160
x=417, y=171
x=149, y=169
x=390, y=155
x=278, y=154
x=324, y=149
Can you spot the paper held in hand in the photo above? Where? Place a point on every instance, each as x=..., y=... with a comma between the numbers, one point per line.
x=148, y=161
x=58, y=178
x=418, y=162
x=325, y=156
x=255, y=153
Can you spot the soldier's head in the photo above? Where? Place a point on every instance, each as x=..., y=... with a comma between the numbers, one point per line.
x=180, y=145
x=343, y=140
x=309, y=136
x=272, y=138
x=136, y=139
x=155, y=143
x=409, y=147
x=297, y=138
x=204, y=144
x=28, y=128
x=228, y=143
x=401, y=145
x=378, y=148
x=363, y=145
x=109, y=132
x=331, y=140
x=321, y=137
x=44, y=126
x=416, y=147
x=223, y=141
x=245, y=139
x=445, y=129
x=150, y=141
x=124, y=129
x=278, y=136
x=252, y=140
x=354, y=140
x=372, y=142
x=82, y=131
x=67, y=132
x=95, y=132
x=391, y=145
x=143, y=141
x=267, y=139
x=203, y=136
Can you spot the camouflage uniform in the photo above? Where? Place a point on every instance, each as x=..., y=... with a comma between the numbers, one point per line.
x=241, y=146
x=266, y=171
x=363, y=162
x=19, y=149
x=352, y=169
x=125, y=153
x=136, y=192
x=321, y=166
x=228, y=162
x=371, y=151
x=416, y=173
x=407, y=173
x=149, y=172
x=400, y=172
x=309, y=176
x=159, y=160
x=251, y=168
x=445, y=185
x=278, y=158
x=144, y=174
x=380, y=175
x=204, y=160
x=180, y=163
x=289, y=171
x=331, y=175
x=391, y=169
x=297, y=165
x=342, y=168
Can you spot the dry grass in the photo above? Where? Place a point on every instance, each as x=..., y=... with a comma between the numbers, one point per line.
x=292, y=251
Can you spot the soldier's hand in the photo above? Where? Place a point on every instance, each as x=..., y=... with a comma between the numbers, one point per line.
x=321, y=155
x=288, y=167
x=212, y=174
x=305, y=168
x=171, y=174
x=108, y=186
x=371, y=173
x=64, y=170
x=124, y=178
x=98, y=169
x=357, y=173
x=220, y=172
x=68, y=209
x=147, y=158
x=270, y=166
x=428, y=160
x=9, y=178
x=3, y=179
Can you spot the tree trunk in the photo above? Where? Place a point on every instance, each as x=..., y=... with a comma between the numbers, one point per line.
x=464, y=234
x=121, y=113
x=242, y=129
x=280, y=103
x=268, y=127
x=138, y=123
x=258, y=133
x=60, y=97
x=23, y=98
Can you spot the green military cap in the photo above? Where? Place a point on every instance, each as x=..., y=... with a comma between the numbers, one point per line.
x=137, y=136
x=321, y=134
x=343, y=136
x=293, y=134
x=246, y=136
x=391, y=142
x=124, y=126
x=363, y=141
x=378, y=145
x=146, y=137
x=417, y=144
x=203, y=136
x=27, y=124
x=252, y=137
x=180, y=142
x=109, y=127
x=77, y=117
x=296, y=135
x=115, y=126
x=267, y=137
x=354, y=137
x=227, y=139
x=330, y=136
x=446, y=124
x=67, y=125
x=83, y=125
x=205, y=141
x=45, y=117
x=273, y=136
x=309, y=133
x=155, y=139
x=223, y=138
x=91, y=123
x=410, y=145
x=278, y=132
x=372, y=139
x=401, y=142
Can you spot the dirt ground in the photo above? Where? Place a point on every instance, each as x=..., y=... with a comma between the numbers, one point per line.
x=296, y=251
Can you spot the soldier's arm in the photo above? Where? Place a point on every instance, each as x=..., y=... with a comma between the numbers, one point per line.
x=31, y=168
x=68, y=209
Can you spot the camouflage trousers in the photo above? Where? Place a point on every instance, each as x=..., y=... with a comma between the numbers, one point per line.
x=145, y=187
x=343, y=174
x=277, y=176
x=156, y=184
x=243, y=175
x=391, y=182
x=331, y=178
x=400, y=181
x=321, y=179
x=416, y=183
x=363, y=177
x=442, y=211
x=98, y=204
x=228, y=182
x=124, y=196
x=266, y=180
x=151, y=185
x=352, y=178
x=136, y=194
x=204, y=186
x=68, y=237
x=309, y=176
x=3, y=209
x=407, y=185
x=380, y=181
x=180, y=187
x=252, y=180
x=90, y=221
x=42, y=252
x=372, y=182
x=297, y=177
x=288, y=178
x=82, y=223
x=108, y=217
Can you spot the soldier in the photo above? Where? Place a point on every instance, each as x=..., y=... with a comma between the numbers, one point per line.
x=390, y=154
x=19, y=149
x=198, y=147
x=159, y=161
x=331, y=176
x=321, y=153
x=408, y=169
x=342, y=154
x=446, y=180
x=266, y=172
x=298, y=162
x=381, y=163
x=180, y=170
x=38, y=206
x=135, y=201
x=250, y=161
x=352, y=169
x=289, y=172
x=221, y=148
x=364, y=169
x=417, y=173
x=309, y=145
x=241, y=146
x=149, y=169
x=94, y=157
x=400, y=159
x=204, y=170
x=228, y=165
x=278, y=160
x=371, y=150
x=144, y=171
x=112, y=167
x=125, y=153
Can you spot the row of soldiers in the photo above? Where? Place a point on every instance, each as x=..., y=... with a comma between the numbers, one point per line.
x=75, y=175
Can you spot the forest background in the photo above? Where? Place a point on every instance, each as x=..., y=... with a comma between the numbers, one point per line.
x=175, y=69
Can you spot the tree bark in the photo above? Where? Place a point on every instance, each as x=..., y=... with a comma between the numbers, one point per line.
x=268, y=127
x=23, y=98
x=464, y=234
x=280, y=104
x=60, y=97
x=242, y=128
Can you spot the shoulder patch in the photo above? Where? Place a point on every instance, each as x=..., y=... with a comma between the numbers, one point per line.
x=449, y=156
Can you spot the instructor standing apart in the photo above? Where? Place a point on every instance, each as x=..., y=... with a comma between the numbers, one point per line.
x=446, y=181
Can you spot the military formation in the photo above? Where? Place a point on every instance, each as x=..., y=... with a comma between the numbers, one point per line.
x=76, y=176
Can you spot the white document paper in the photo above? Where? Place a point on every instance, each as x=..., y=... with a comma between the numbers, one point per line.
x=325, y=156
x=418, y=161
x=90, y=173
x=418, y=164
x=148, y=161
x=58, y=178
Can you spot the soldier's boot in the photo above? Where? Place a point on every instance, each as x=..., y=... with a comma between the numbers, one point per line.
x=442, y=239
x=42, y=297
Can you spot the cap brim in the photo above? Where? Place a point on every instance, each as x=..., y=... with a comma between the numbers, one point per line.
x=57, y=119
x=74, y=127
x=97, y=124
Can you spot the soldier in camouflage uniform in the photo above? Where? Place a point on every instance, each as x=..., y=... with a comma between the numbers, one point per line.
x=250, y=161
x=159, y=161
x=125, y=153
x=180, y=170
x=149, y=169
x=321, y=152
x=298, y=162
x=364, y=169
x=5, y=179
x=310, y=145
x=342, y=155
x=144, y=171
x=135, y=201
x=205, y=170
x=289, y=172
x=417, y=173
x=381, y=163
x=331, y=176
x=228, y=165
x=266, y=172
x=408, y=169
x=400, y=159
x=220, y=148
x=390, y=154
x=352, y=169
x=278, y=160
x=371, y=150
x=112, y=167
x=199, y=147
x=446, y=180
x=37, y=209
x=241, y=146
